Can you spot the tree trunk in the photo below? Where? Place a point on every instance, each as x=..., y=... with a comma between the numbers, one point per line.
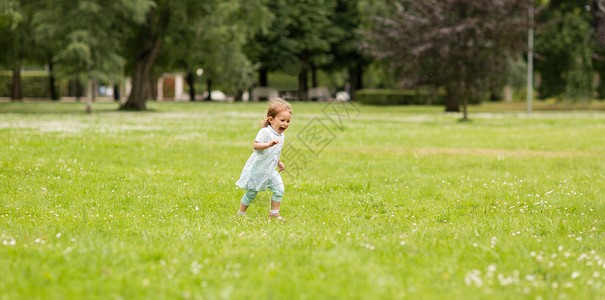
x=313, y=76
x=355, y=77
x=153, y=88
x=190, y=78
x=16, y=88
x=140, y=78
x=116, y=92
x=150, y=39
x=302, y=84
x=89, y=96
x=51, y=81
x=239, y=96
x=93, y=90
x=451, y=99
x=465, y=105
x=262, y=77
x=209, y=89
x=466, y=92
x=598, y=21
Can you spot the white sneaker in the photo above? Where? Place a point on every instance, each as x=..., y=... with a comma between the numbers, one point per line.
x=276, y=217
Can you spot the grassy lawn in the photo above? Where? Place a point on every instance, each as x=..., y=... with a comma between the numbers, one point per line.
x=382, y=203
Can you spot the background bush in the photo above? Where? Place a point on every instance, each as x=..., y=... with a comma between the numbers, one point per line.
x=400, y=97
x=32, y=85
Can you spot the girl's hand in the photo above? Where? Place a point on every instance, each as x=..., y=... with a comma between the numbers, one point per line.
x=262, y=146
x=273, y=143
x=281, y=166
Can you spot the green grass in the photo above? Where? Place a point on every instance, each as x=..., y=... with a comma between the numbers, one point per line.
x=405, y=202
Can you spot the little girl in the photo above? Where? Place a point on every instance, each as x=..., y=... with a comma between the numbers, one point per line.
x=259, y=172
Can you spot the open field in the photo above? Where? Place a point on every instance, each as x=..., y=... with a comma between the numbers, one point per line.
x=381, y=203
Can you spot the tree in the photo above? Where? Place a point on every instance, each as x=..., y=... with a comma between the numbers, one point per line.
x=454, y=44
x=346, y=41
x=16, y=34
x=91, y=35
x=212, y=39
x=188, y=25
x=598, y=32
x=564, y=50
x=146, y=44
x=298, y=39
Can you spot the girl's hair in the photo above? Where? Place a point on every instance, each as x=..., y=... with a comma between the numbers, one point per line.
x=276, y=105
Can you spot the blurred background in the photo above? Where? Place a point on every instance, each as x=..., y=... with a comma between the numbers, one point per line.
x=452, y=53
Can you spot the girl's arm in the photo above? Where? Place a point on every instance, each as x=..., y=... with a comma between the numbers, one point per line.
x=281, y=165
x=262, y=146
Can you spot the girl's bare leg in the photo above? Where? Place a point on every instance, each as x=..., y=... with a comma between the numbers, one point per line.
x=243, y=207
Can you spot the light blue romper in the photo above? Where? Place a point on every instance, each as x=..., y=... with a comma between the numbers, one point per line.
x=259, y=171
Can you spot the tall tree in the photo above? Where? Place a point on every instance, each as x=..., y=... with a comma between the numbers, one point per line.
x=598, y=32
x=16, y=36
x=298, y=38
x=91, y=36
x=147, y=44
x=186, y=24
x=345, y=45
x=454, y=44
x=598, y=21
x=211, y=37
x=564, y=50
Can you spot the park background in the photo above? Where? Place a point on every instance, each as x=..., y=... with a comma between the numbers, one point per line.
x=422, y=160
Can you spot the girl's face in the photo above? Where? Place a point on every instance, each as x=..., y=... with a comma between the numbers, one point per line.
x=281, y=121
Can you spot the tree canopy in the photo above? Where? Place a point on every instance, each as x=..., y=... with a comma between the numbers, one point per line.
x=466, y=48
x=454, y=44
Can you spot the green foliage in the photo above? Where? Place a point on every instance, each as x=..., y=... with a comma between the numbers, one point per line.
x=10, y=14
x=580, y=74
x=564, y=51
x=33, y=85
x=300, y=34
x=211, y=35
x=282, y=81
x=400, y=97
x=463, y=46
x=404, y=203
x=86, y=39
x=18, y=45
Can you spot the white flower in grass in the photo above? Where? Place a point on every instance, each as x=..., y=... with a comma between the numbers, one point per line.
x=590, y=282
x=196, y=267
x=473, y=278
x=491, y=268
x=504, y=281
x=575, y=275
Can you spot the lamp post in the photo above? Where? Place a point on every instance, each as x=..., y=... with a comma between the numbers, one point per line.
x=199, y=73
x=530, y=57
